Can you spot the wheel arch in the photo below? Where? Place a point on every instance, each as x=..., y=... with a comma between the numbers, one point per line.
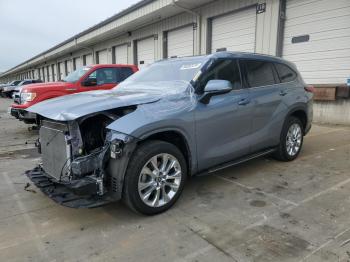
x=175, y=137
x=300, y=113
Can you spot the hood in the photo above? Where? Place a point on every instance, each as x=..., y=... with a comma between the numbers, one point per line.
x=71, y=107
x=38, y=87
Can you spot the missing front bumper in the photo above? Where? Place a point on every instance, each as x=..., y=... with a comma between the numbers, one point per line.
x=74, y=195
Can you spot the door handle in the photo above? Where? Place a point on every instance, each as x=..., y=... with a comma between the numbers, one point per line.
x=244, y=101
x=71, y=89
x=283, y=93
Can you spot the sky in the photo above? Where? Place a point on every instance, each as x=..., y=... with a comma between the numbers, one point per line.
x=29, y=27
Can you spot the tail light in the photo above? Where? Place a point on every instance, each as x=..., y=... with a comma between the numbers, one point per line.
x=309, y=88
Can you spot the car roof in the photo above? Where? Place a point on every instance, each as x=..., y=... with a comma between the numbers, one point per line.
x=238, y=55
x=108, y=65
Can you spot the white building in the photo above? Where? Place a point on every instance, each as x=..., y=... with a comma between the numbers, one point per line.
x=315, y=34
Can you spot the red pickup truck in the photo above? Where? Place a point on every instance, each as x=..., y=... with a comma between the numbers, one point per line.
x=88, y=78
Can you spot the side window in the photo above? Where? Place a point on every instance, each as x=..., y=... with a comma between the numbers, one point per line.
x=224, y=69
x=285, y=73
x=104, y=76
x=259, y=73
x=123, y=73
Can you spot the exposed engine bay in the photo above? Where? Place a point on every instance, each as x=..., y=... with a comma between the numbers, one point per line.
x=78, y=153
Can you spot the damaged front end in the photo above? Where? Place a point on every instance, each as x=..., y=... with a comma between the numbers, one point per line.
x=83, y=162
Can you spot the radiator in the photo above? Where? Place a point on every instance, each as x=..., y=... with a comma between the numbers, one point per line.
x=55, y=150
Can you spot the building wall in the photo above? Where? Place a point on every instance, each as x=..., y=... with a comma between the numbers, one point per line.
x=317, y=39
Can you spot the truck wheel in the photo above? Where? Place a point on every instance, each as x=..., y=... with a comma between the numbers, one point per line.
x=291, y=140
x=155, y=177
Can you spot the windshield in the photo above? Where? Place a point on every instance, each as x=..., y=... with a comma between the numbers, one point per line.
x=14, y=83
x=161, y=74
x=77, y=74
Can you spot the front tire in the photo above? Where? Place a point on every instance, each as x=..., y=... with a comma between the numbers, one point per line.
x=155, y=178
x=291, y=140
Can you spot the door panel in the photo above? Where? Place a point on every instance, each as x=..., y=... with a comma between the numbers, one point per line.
x=267, y=118
x=266, y=99
x=223, y=128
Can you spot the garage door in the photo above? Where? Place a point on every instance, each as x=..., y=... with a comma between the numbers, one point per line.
x=37, y=74
x=77, y=62
x=54, y=73
x=180, y=42
x=101, y=57
x=120, y=54
x=61, y=70
x=317, y=39
x=145, y=52
x=234, y=32
x=87, y=59
x=43, y=74
x=69, y=65
x=48, y=74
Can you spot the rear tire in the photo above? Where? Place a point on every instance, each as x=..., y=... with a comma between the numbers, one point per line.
x=155, y=178
x=291, y=140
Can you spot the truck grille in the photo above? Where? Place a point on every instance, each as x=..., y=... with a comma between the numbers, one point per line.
x=55, y=150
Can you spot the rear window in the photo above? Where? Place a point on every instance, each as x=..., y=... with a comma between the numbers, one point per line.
x=259, y=73
x=285, y=73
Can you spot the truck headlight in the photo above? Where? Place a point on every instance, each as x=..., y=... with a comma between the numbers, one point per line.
x=27, y=97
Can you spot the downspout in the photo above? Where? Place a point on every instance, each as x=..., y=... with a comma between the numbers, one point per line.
x=281, y=26
x=199, y=23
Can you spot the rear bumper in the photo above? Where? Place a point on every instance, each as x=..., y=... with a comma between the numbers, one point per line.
x=81, y=194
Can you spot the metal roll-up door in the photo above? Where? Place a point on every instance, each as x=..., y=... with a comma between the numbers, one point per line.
x=101, y=57
x=37, y=74
x=180, y=42
x=120, y=54
x=317, y=39
x=69, y=66
x=43, y=74
x=77, y=63
x=54, y=72
x=145, y=52
x=48, y=74
x=234, y=32
x=62, y=70
x=87, y=59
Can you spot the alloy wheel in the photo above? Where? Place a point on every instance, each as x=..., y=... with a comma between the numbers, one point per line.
x=294, y=139
x=159, y=180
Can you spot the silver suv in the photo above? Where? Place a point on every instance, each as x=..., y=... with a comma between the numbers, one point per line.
x=176, y=118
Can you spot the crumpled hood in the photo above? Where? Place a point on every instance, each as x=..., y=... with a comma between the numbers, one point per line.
x=71, y=107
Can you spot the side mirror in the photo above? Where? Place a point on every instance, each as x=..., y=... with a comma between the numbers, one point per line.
x=215, y=87
x=89, y=82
